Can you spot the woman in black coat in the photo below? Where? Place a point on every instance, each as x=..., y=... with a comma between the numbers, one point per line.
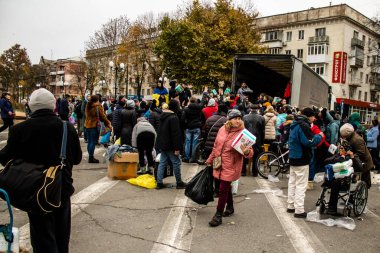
x=38, y=140
x=128, y=121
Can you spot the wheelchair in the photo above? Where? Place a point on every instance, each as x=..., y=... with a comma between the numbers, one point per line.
x=353, y=192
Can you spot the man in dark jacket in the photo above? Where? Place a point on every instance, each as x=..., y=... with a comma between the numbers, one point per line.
x=38, y=140
x=64, y=109
x=116, y=118
x=191, y=120
x=301, y=140
x=254, y=123
x=7, y=113
x=170, y=144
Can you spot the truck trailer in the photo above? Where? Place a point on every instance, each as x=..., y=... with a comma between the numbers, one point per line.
x=273, y=74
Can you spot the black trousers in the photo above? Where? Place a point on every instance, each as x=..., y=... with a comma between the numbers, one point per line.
x=145, y=144
x=336, y=185
x=51, y=232
x=8, y=122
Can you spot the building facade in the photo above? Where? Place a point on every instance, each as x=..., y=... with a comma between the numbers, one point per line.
x=340, y=44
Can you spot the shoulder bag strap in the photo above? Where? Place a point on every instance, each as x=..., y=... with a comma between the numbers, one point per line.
x=64, y=143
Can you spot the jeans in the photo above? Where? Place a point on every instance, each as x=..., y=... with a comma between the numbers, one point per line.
x=164, y=161
x=92, y=139
x=192, y=138
x=297, y=187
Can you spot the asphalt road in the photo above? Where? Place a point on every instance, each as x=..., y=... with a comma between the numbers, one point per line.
x=115, y=216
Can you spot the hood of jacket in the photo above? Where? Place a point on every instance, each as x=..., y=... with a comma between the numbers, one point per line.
x=303, y=122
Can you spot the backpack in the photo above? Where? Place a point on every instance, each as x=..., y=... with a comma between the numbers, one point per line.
x=78, y=109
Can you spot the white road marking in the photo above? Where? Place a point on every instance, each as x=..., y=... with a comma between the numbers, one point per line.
x=87, y=195
x=172, y=231
x=300, y=235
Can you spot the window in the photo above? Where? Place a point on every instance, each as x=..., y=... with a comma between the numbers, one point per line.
x=301, y=34
x=356, y=35
x=148, y=91
x=318, y=68
x=360, y=95
x=142, y=91
x=361, y=77
x=288, y=36
x=317, y=49
x=300, y=53
x=129, y=91
x=320, y=32
x=365, y=96
x=369, y=44
x=366, y=78
x=271, y=36
x=274, y=50
x=368, y=60
x=288, y=51
x=363, y=39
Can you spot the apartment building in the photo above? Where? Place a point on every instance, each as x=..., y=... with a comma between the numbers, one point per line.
x=340, y=44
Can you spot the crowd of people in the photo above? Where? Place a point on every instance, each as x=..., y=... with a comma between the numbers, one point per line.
x=173, y=123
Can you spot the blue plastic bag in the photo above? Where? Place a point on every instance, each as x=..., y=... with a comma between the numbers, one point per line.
x=105, y=138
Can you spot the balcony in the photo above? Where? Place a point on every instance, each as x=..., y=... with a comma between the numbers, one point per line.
x=355, y=42
x=274, y=44
x=375, y=86
x=375, y=69
x=319, y=39
x=317, y=58
x=356, y=62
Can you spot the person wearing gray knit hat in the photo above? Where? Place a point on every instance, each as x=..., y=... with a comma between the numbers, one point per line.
x=130, y=104
x=41, y=99
x=346, y=130
x=234, y=113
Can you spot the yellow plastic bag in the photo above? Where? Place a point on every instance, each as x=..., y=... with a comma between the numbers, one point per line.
x=118, y=141
x=146, y=181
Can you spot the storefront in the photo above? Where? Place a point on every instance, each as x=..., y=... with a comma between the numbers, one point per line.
x=367, y=111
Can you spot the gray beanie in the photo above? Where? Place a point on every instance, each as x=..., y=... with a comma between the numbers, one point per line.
x=41, y=99
x=234, y=113
x=130, y=104
x=346, y=130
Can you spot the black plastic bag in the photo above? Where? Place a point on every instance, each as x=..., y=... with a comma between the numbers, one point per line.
x=200, y=188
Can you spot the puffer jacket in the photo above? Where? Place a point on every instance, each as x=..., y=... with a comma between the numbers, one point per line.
x=142, y=126
x=191, y=117
x=301, y=140
x=359, y=148
x=270, y=126
x=212, y=126
x=169, y=136
x=232, y=160
x=154, y=118
x=92, y=111
x=281, y=118
x=128, y=121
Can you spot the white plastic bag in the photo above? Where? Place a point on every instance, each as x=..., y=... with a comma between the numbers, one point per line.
x=346, y=222
x=273, y=179
x=158, y=157
x=319, y=177
x=235, y=186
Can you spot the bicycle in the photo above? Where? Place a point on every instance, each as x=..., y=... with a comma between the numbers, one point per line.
x=271, y=163
x=198, y=153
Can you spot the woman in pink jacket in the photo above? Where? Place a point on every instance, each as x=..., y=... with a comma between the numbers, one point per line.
x=232, y=162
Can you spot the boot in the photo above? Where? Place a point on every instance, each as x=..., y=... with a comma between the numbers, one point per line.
x=216, y=220
x=229, y=211
x=91, y=159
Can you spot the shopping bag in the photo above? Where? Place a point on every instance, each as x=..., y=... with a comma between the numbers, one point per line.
x=200, y=188
x=105, y=138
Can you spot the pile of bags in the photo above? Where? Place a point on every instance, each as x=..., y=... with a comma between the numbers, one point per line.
x=339, y=170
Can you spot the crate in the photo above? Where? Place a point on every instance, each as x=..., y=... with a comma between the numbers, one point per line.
x=124, y=166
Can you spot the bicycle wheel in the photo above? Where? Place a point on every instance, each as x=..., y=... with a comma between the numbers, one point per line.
x=268, y=163
x=198, y=154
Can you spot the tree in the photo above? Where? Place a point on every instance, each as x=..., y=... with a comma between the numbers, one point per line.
x=199, y=45
x=137, y=49
x=15, y=69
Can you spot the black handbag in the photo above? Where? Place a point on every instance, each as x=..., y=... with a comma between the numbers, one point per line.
x=33, y=187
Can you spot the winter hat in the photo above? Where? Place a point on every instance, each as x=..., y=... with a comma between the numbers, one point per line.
x=41, y=99
x=130, y=104
x=270, y=109
x=308, y=112
x=211, y=102
x=234, y=113
x=346, y=130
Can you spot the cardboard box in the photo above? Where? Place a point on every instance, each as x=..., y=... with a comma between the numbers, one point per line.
x=122, y=170
x=126, y=157
x=245, y=137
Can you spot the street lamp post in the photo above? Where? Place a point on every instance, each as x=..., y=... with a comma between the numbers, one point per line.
x=116, y=68
x=19, y=93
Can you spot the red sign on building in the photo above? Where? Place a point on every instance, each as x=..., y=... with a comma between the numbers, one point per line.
x=344, y=67
x=337, y=65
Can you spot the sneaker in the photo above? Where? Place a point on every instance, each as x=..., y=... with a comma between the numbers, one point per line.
x=300, y=215
x=181, y=185
x=289, y=210
x=160, y=186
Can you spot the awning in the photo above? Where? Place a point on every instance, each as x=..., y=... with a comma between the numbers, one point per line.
x=358, y=103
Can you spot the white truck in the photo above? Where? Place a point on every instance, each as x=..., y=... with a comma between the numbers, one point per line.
x=270, y=74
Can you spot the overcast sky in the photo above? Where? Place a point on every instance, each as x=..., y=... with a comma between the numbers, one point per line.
x=59, y=29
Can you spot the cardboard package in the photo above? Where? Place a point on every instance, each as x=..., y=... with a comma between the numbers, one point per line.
x=245, y=137
x=124, y=166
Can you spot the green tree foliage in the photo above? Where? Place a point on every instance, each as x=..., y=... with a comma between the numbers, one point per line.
x=15, y=69
x=199, y=46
